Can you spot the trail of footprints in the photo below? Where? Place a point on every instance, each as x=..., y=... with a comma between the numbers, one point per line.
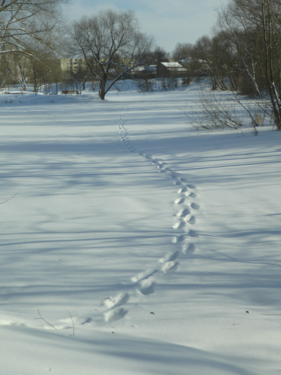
x=183, y=239
x=185, y=218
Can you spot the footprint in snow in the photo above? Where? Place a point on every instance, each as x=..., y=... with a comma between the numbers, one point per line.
x=182, y=190
x=170, y=267
x=179, y=200
x=177, y=183
x=147, y=287
x=143, y=275
x=188, y=249
x=178, y=239
x=183, y=213
x=195, y=206
x=191, y=186
x=116, y=314
x=192, y=233
x=119, y=300
x=149, y=157
x=179, y=225
x=184, y=180
x=173, y=174
x=191, y=220
x=192, y=195
x=169, y=256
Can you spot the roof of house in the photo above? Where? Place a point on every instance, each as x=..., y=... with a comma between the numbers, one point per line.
x=186, y=60
x=171, y=64
x=178, y=69
x=174, y=66
x=151, y=68
x=138, y=68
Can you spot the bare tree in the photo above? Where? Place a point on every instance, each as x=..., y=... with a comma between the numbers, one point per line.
x=44, y=74
x=111, y=45
x=227, y=110
x=255, y=28
x=182, y=51
x=216, y=58
x=155, y=56
x=26, y=24
x=159, y=55
x=244, y=56
x=16, y=66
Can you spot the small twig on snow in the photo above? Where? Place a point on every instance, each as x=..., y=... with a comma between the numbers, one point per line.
x=10, y=198
x=72, y=321
x=45, y=320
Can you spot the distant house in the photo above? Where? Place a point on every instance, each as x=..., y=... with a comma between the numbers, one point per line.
x=145, y=71
x=72, y=65
x=166, y=69
x=151, y=69
x=187, y=60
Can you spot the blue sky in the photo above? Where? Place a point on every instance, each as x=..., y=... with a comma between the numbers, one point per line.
x=169, y=21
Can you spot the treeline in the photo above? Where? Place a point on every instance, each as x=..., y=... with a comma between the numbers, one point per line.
x=244, y=53
x=30, y=36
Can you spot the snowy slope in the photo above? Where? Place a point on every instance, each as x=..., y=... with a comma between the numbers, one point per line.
x=157, y=244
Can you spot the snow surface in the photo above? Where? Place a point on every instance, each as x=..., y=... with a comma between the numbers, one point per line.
x=156, y=245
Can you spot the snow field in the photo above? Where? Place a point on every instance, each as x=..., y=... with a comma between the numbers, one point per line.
x=156, y=238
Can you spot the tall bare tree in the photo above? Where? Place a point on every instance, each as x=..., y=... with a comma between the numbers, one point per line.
x=26, y=24
x=255, y=28
x=182, y=51
x=111, y=44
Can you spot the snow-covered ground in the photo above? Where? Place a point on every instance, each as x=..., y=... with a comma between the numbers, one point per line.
x=135, y=244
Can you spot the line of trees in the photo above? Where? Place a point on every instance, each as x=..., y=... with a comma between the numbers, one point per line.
x=244, y=53
x=29, y=31
x=33, y=36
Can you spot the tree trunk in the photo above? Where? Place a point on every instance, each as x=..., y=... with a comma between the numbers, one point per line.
x=102, y=93
x=268, y=33
x=102, y=88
